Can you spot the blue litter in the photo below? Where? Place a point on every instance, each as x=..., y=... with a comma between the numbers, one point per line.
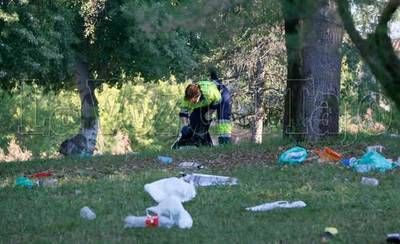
x=295, y=155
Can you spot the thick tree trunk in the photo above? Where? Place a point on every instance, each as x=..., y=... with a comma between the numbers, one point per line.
x=84, y=142
x=322, y=68
x=314, y=64
x=259, y=93
x=293, y=119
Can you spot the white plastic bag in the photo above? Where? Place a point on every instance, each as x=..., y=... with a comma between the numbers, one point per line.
x=171, y=187
x=172, y=208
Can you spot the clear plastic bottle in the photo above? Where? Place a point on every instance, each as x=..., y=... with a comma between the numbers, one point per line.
x=210, y=180
x=148, y=221
x=87, y=213
x=369, y=181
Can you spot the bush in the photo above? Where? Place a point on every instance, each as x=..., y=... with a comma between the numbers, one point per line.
x=135, y=116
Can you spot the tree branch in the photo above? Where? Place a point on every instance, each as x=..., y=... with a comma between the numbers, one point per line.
x=347, y=18
x=387, y=13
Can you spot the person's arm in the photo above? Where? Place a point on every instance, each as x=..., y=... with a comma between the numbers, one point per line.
x=184, y=113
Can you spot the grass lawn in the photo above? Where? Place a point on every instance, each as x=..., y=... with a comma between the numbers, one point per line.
x=113, y=187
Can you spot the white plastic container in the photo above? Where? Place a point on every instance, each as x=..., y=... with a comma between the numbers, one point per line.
x=369, y=181
x=87, y=213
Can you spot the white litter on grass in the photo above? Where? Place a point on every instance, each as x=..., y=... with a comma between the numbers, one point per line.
x=190, y=165
x=87, y=213
x=210, y=180
x=277, y=204
x=172, y=208
x=376, y=148
x=171, y=187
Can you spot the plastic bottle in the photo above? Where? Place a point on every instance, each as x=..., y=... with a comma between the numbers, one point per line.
x=87, y=213
x=210, y=180
x=165, y=159
x=369, y=181
x=148, y=221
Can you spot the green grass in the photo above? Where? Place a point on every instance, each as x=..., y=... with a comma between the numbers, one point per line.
x=113, y=187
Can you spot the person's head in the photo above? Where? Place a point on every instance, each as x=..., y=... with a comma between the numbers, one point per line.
x=192, y=93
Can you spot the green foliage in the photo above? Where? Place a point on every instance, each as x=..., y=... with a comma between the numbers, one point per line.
x=363, y=102
x=35, y=40
x=38, y=120
x=145, y=112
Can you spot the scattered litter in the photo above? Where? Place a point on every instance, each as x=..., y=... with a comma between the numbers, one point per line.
x=147, y=221
x=328, y=234
x=349, y=162
x=87, y=213
x=294, y=155
x=393, y=237
x=24, y=181
x=328, y=155
x=331, y=230
x=43, y=174
x=165, y=159
x=372, y=160
x=210, y=180
x=167, y=213
x=190, y=165
x=369, y=181
x=376, y=148
x=165, y=188
x=277, y=204
x=172, y=208
x=49, y=182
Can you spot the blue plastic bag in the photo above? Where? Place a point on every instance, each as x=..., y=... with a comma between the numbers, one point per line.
x=372, y=161
x=294, y=155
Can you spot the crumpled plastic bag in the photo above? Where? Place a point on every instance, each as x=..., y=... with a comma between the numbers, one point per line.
x=294, y=155
x=173, y=209
x=372, y=160
x=171, y=187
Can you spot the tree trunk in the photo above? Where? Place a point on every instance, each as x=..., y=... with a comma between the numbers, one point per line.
x=84, y=142
x=293, y=115
x=322, y=68
x=259, y=93
x=313, y=79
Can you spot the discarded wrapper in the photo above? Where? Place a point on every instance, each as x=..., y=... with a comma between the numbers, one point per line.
x=277, y=204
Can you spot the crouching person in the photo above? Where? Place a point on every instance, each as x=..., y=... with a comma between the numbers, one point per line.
x=201, y=100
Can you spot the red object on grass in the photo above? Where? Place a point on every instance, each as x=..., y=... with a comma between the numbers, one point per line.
x=328, y=154
x=152, y=221
x=42, y=174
